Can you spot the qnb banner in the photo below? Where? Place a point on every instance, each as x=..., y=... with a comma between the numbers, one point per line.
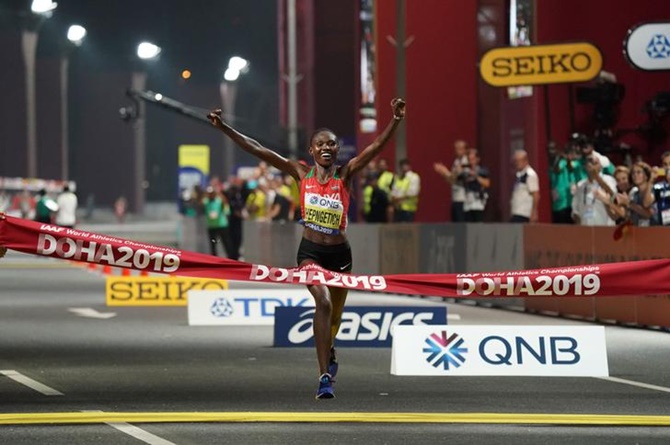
x=613, y=279
x=575, y=351
x=362, y=326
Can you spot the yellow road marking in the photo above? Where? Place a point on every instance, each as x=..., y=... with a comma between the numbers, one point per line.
x=329, y=417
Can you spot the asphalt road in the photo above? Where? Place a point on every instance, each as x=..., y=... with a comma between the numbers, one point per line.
x=145, y=376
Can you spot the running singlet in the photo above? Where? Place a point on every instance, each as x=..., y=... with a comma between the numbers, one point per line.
x=662, y=196
x=324, y=207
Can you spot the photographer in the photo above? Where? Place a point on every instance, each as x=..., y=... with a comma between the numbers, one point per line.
x=585, y=146
x=562, y=181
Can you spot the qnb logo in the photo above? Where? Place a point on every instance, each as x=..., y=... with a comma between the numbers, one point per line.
x=659, y=47
x=445, y=350
x=221, y=308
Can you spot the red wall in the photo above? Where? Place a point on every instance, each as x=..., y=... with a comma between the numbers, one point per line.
x=441, y=88
x=604, y=23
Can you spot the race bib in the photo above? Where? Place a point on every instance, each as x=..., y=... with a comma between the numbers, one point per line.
x=323, y=213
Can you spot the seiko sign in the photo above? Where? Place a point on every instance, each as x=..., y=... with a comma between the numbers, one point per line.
x=541, y=64
x=647, y=46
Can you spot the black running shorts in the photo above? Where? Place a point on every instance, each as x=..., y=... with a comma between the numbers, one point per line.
x=336, y=258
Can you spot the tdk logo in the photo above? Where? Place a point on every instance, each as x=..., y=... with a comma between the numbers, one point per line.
x=361, y=326
x=252, y=306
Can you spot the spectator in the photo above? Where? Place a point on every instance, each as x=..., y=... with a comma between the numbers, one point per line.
x=376, y=200
x=640, y=201
x=256, y=203
x=282, y=204
x=617, y=211
x=662, y=194
x=585, y=145
x=67, y=208
x=4, y=201
x=216, y=214
x=405, y=193
x=457, y=189
x=589, y=201
x=622, y=178
x=236, y=203
x=120, y=207
x=562, y=183
x=45, y=207
x=526, y=192
x=476, y=181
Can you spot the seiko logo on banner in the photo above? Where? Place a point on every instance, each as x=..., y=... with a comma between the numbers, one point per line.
x=361, y=326
x=647, y=46
x=541, y=64
x=156, y=291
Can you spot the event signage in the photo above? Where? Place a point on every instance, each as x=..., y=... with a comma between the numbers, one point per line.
x=242, y=307
x=362, y=326
x=647, y=46
x=541, y=64
x=598, y=280
x=574, y=351
x=155, y=291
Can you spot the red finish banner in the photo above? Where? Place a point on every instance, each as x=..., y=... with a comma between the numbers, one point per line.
x=611, y=279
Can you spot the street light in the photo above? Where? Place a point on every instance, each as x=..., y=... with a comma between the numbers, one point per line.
x=75, y=37
x=41, y=10
x=146, y=51
x=228, y=89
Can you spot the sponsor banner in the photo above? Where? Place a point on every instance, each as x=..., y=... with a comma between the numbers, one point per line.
x=156, y=291
x=613, y=279
x=362, y=326
x=242, y=307
x=566, y=351
x=541, y=64
x=647, y=46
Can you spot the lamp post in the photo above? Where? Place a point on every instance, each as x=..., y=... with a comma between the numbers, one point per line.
x=145, y=51
x=228, y=91
x=41, y=10
x=75, y=37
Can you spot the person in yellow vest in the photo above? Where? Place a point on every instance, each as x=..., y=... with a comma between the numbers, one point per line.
x=385, y=183
x=256, y=205
x=405, y=193
x=375, y=200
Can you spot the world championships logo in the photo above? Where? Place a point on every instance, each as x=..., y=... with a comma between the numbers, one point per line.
x=221, y=308
x=444, y=350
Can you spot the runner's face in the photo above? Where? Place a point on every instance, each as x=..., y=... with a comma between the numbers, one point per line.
x=324, y=148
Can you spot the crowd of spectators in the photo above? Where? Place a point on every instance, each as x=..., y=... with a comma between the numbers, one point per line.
x=586, y=188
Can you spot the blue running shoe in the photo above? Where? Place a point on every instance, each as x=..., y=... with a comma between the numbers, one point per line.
x=325, y=390
x=333, y=365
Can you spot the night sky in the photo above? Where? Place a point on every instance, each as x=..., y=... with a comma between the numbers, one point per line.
x=198, y=35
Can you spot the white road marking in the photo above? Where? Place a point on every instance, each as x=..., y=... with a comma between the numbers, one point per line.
x=137, y=433
x=634, y=383
x=91, y=313
x=453, y=317
x=30, y=383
